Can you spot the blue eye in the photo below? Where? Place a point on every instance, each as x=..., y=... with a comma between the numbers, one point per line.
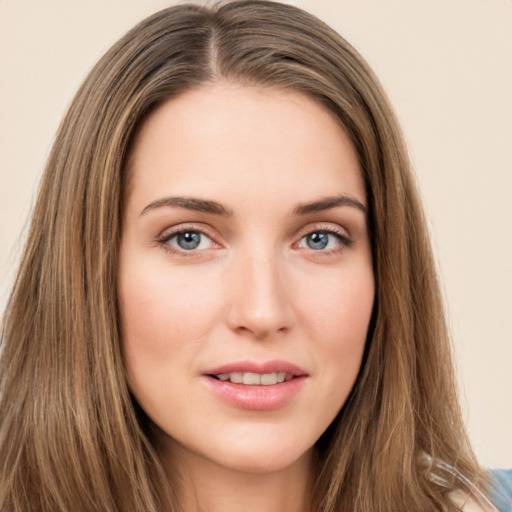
x=317, y=241
x=189, y=241
x=321, y=240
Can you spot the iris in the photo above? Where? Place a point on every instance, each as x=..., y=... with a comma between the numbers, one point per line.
x=318, y=240
x=189, y=240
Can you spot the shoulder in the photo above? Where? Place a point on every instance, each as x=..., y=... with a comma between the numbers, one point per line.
x=501, y=489
x=499, y=494
x=466, y=502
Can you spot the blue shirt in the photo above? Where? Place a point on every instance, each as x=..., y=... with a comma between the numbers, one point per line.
x=501, y=489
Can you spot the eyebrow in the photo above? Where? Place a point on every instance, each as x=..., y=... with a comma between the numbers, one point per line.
x=215, y=208
x=328, y=203
x=190, y=203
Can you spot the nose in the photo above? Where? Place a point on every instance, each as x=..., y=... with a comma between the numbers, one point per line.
x=259, y=297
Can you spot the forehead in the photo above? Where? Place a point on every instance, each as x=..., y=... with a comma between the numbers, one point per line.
x=256, y=141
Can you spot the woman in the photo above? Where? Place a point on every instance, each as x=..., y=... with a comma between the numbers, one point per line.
x=228, y=298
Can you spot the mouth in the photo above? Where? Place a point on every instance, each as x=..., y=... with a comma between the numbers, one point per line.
x=251, y=373
x=253, y=379
x=256, y=386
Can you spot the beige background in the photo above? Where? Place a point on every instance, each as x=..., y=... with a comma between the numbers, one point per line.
x=447, y=66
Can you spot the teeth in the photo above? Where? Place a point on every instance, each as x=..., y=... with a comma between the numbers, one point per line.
x=267, y=379
x=255, y=379
x=252, y=379
x=236, y=377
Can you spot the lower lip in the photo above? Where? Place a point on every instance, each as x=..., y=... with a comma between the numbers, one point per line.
x=256, y=398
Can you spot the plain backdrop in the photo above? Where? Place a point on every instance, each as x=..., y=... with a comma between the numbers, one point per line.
x=447, y=67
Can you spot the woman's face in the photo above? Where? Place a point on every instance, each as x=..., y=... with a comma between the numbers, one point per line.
x=245, y=276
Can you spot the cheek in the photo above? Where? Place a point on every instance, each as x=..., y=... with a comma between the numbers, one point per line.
x=338, y=316
x=339, y=308
x=164, y=305
x=159, y=310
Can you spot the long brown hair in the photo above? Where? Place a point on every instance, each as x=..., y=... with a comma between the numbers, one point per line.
x=71, y=437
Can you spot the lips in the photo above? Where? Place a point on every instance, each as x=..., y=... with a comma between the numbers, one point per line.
x=254, y=379
x=275, y=366
x=256, y=386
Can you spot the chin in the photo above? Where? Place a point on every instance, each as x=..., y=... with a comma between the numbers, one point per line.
x=264, y=460
x=258, y=452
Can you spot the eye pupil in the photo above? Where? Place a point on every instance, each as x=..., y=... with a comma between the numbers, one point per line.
x=189, y=240
x=318, y=240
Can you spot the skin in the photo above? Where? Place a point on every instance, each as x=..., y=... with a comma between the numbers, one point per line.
x=254, y=289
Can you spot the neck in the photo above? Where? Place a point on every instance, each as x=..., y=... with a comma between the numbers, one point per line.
x=204, y=486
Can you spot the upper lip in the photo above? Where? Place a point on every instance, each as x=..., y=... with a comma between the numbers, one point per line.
x=274, y=366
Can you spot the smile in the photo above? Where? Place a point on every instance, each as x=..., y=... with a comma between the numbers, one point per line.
x=254, y=379
x=256, y=386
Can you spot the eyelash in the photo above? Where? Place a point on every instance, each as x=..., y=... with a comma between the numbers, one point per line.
x=163, y=240
x=344, y=240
